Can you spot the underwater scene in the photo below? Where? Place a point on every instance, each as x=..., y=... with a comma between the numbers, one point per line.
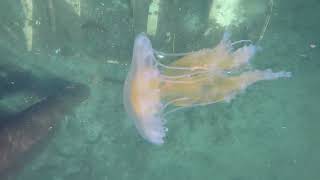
x=159, y=89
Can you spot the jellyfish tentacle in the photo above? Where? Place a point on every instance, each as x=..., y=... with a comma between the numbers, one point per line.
x=172, y=102
x=161, y=54
x=243, y=55
x=180, y=67
x=191, y=106
x=174, y=110
x=183, y=75
x=207, y=102
x=241, y=41
x=174, y=67
x=190, y=80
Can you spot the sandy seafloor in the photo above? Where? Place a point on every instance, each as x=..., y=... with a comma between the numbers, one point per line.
x=270, y=132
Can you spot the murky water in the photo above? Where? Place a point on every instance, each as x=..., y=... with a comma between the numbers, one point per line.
x=268, y=132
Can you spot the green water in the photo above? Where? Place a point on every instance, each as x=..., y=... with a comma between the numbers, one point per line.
x=269, y=132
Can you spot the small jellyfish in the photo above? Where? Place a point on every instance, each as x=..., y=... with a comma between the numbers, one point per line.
x=153, y=89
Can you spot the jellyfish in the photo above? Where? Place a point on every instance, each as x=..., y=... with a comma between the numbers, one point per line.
x=153, y=89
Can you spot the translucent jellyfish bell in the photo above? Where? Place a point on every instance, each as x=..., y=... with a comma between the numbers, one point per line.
x=142, y=92
x=198, y=78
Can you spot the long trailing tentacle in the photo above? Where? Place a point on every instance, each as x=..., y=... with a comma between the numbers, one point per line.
x=190, y=106
x=161, y=55
x=172, y=102
x=241, y=41
x=189, y=75
x=174, y=67
x=266, y=23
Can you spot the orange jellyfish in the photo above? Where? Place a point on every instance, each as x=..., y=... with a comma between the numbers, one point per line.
x=198, y=78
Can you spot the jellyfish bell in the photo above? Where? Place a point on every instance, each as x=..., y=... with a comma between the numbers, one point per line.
x=145, y=95
x=153, y=90
x=142, y=93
